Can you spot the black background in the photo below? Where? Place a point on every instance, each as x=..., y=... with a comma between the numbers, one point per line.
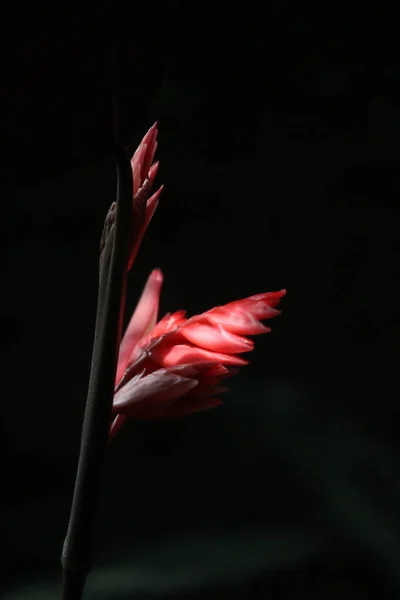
x=279, y=150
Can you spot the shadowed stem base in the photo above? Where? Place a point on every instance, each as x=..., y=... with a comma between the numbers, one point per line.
x=73, y=585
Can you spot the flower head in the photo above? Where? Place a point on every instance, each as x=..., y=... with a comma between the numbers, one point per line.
x=176, y=366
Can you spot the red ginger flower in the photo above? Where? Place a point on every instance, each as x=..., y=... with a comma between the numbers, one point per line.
x=175, y=367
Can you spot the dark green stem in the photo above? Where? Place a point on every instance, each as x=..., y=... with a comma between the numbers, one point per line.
x=77, y=550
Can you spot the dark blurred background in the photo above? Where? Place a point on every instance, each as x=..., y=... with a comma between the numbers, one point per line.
x=279, y=150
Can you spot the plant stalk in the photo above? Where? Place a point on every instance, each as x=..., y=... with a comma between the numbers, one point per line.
x=77, y=550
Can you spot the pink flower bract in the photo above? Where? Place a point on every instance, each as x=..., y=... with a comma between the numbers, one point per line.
x=175, y=367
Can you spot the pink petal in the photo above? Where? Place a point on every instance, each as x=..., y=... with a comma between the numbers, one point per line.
x=136, y=164
x=168, y=323
x=215, y=338
x=196, y=369
x=153, y=172
x=142, y=217
x=260, y=306
x=151, y=206
x=272, y=298
x=243, y=316
x=259, y=309
x=150, y=136
x=144, y=392
x=150, y=140
x=236, y=321
x=181, y=353
x=143, y=157
x=215, y=371
x=209, y=381
x=142, y=321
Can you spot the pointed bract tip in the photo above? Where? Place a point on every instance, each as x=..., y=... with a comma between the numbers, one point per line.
x=151, y=202
x=157, y=275
x=153, y=171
